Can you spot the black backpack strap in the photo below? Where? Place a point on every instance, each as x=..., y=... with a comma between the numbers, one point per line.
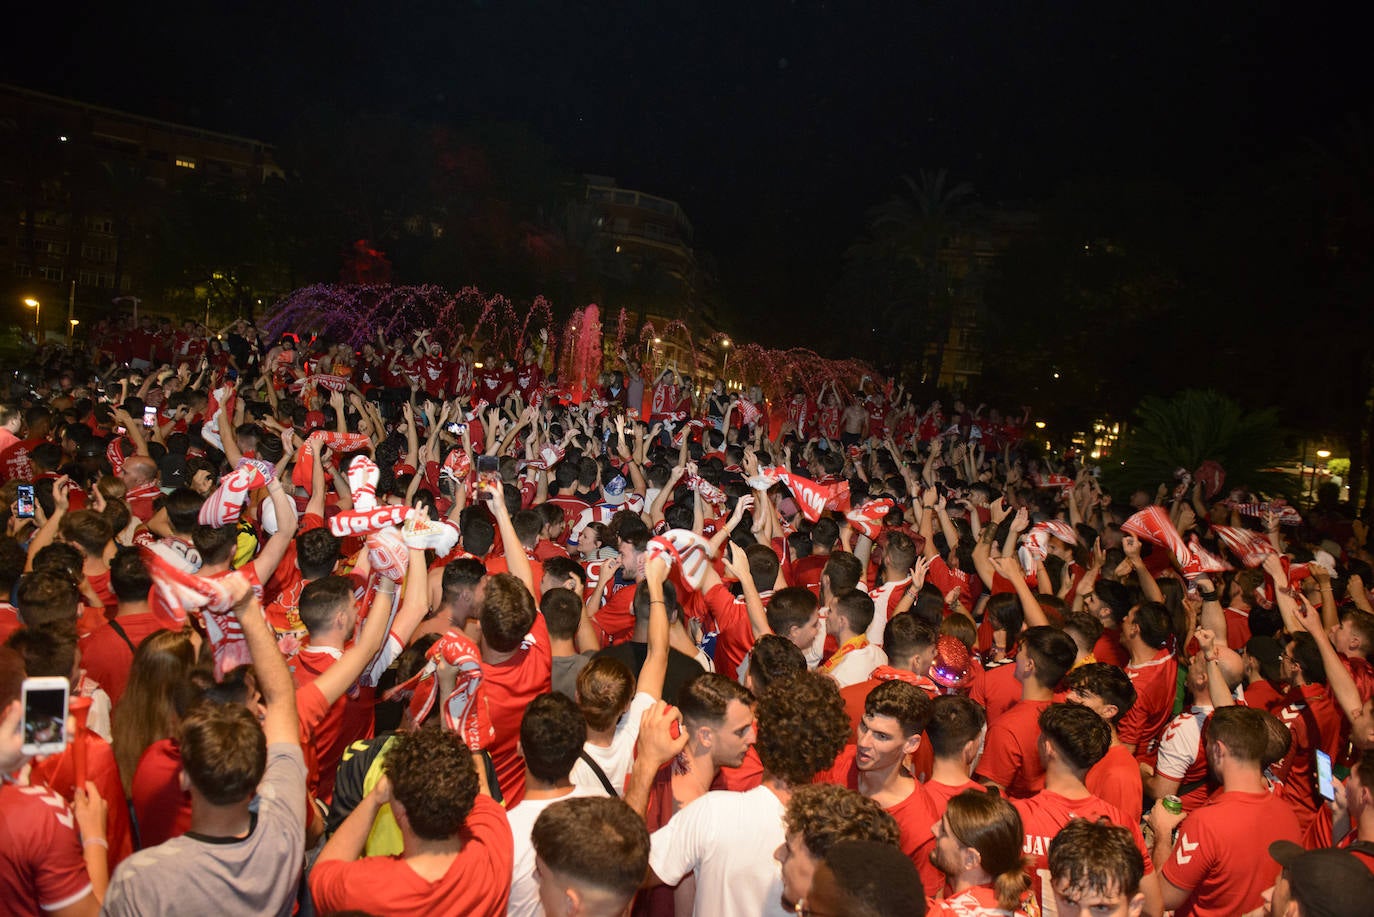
x=123, y=635
x=600, y=774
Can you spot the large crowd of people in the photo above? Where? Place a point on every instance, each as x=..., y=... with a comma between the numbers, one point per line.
x=395, y=629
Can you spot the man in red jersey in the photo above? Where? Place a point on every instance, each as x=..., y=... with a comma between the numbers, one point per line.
x=1314, y=720
x=108, y=652
x=1219, y=864
x=1010, y=759
x=458, y=847
x=895, y=715
x=1105, y=690
x=517, y=660
x=1359, y=796
x=910, y=646
x=806, y=571
x=957, y=729
x=1154, y=671
x=1073, y=739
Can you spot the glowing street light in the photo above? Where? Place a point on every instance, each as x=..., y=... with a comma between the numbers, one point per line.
x=1039, y=425
x=37, y=318
x=1323, y=453
x=71, y=330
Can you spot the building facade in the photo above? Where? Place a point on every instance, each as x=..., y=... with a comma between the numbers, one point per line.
x=73, y=177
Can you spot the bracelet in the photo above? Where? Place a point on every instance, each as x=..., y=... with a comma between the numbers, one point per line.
x=653, y=602
x=95, y=840
x=1208, y=596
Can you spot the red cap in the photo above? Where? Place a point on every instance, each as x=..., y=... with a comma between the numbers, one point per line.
x=952, y=666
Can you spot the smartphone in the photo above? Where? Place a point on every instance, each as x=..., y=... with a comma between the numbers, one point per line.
x=456, y=428
x=231, y=374
x=45, y=715
x=489, y=463
x=23, y=502
x=149, y=415
x=1325, y=786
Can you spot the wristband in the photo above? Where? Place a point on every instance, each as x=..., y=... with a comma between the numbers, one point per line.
x=95, y=840
x=1208, y=596
x=653, y=602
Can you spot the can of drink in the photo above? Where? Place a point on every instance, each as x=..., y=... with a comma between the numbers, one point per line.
x=1173, y=804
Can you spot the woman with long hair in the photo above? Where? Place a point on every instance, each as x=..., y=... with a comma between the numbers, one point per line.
x=147, y=712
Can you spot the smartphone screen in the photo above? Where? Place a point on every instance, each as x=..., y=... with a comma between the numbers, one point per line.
x=45, y=715
x=23, y=502
x=489, y=463
x=149, y=416
x=1325, y=786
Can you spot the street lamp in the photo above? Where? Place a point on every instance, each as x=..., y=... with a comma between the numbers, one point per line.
x=37, y=319
x=71, y=330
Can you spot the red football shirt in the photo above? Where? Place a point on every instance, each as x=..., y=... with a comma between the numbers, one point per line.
x=734, y=632
x=1108, y=649
x=41, y=867
x=1116, y=780
x=941, y=793
x=998, y=691
x=915, y=817
x=510, y=687
x=1045, y=813
x=1156, y=686
x=1011, y=758
x=477, y=882
x=162, y=807
x=1222, y=857
x=58, y=773
x=106, y=656
x=1315, y=723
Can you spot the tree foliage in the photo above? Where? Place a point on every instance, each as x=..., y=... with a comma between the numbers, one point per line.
x=1195, y=426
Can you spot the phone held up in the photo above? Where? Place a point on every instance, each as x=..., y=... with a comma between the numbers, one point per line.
x=24, y=502
x=45, y=715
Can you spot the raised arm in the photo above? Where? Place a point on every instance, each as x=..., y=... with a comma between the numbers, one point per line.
x=516, y=561
x=265, y=564
x=1010, y=568
x=655, y=667
x=341, y=676
x=1131, y=546
x=280, y=724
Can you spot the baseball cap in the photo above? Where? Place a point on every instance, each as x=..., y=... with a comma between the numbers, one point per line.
x=173, y=472
x=614, y=490
x=1326, y=882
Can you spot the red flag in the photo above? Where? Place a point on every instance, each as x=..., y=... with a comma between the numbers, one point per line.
x=813, y=498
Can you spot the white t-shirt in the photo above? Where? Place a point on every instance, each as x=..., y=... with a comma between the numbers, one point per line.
x=882, y=604
x=857, y=665
x=728, y=839
x=524, y=888
x=614, y=759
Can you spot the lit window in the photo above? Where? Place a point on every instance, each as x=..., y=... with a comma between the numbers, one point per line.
x=185, y=163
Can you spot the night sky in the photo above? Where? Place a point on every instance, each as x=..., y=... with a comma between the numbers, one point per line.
x=775, y=125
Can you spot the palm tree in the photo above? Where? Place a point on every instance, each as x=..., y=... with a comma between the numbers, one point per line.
x=912, y=228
